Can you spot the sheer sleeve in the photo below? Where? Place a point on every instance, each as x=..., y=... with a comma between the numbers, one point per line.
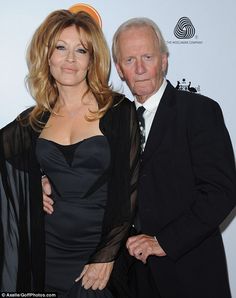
x=13, y=179
x=121, y=127
x=20, y=213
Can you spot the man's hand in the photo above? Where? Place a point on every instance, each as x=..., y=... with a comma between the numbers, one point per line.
x=47, y=201
x=96, y=275
x=142, y=246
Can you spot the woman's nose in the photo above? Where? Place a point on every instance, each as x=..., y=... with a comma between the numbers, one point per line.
x=70, y=56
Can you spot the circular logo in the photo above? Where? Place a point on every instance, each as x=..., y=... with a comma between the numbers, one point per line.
x=184, y=29
x=87, y=8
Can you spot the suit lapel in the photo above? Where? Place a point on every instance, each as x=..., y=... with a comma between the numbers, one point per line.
x=162, y=121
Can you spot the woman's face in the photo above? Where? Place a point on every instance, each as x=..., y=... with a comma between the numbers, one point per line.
x=69, y=62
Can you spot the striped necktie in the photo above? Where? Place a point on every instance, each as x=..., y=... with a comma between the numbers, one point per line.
x=141, y=120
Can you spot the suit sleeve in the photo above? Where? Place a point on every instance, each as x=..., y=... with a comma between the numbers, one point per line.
x=214, y=192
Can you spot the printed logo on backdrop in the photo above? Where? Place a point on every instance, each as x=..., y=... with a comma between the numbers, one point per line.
x=89, y=9
x=184, y=29
x=185, y=85
x=185, y=33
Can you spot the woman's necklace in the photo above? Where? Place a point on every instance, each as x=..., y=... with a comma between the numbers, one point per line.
x=82, y=109
x=73, y=113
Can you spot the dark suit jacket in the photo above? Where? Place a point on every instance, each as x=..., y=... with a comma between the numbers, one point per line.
x=187, y=187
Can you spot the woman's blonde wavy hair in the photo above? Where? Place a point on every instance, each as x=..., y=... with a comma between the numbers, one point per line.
x=40, y=82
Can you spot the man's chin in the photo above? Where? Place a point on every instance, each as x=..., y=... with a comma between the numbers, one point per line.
x=143, y=92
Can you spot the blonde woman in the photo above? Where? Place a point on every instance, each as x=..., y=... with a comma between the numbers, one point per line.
x=85, y=138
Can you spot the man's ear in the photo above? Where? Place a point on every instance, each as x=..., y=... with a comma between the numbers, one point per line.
x=164, y=63
x=120, y=73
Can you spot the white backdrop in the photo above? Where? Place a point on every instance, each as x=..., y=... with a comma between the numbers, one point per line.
x=207, y=59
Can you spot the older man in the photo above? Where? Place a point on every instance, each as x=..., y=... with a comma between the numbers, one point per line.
x=187, y=180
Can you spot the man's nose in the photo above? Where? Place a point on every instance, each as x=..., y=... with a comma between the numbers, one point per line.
x=140, y=67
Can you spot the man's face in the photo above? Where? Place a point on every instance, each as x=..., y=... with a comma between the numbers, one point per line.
x=140, y=62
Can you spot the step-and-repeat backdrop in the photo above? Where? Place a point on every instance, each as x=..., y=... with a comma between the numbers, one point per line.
x=200, y=36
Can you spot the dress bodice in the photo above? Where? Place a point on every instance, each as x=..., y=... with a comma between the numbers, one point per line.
x=77, y=170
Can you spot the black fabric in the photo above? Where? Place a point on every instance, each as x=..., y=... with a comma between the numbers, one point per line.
x=141, y=282
x=78, y=291
x=21, y=218
x=187, y=186
x=73, y=231
x=68, y=151
x=21, y=196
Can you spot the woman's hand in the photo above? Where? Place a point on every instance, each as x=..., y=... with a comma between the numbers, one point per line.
x=96, y=275
x=47, y=201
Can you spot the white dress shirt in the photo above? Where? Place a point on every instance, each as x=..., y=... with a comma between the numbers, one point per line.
x=151, y=105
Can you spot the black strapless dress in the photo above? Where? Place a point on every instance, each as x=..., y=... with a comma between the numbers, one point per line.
x=78, y=176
